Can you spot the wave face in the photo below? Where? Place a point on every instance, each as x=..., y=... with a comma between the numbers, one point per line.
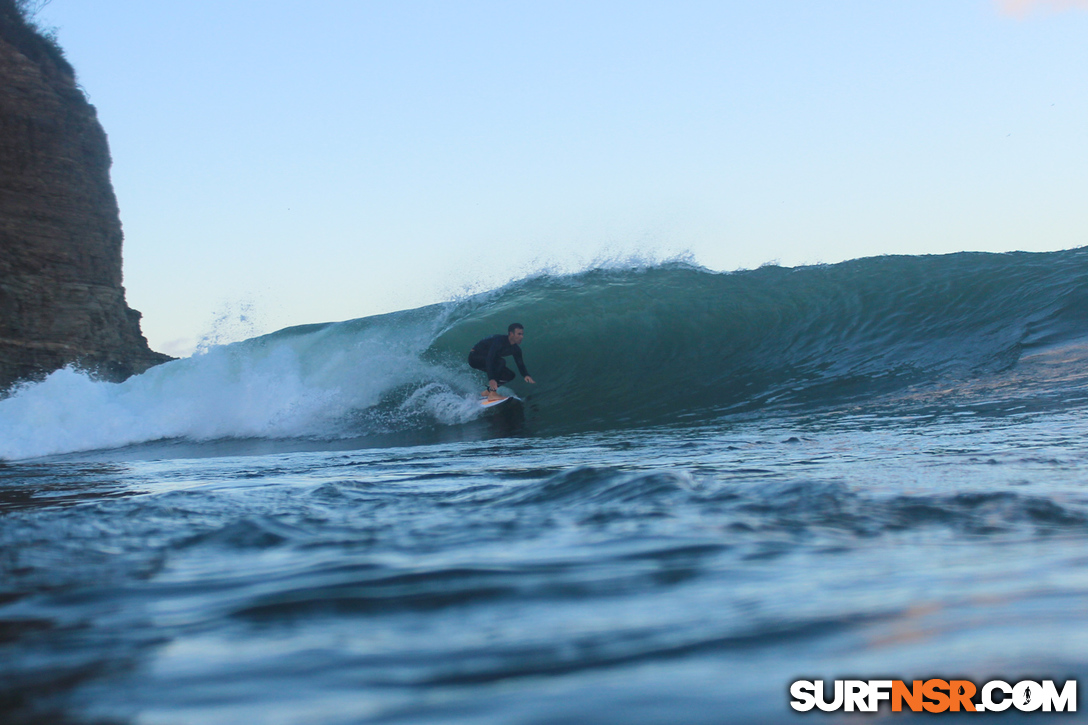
x=610, y=347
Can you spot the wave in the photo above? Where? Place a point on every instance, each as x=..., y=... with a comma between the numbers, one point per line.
x=609, y=347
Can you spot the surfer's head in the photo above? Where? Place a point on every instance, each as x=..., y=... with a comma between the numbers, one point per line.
x=515, y=333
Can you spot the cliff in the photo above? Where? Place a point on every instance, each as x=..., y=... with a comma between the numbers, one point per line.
x=61, y=299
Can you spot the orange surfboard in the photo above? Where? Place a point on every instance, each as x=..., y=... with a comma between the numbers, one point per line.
x=490, y=403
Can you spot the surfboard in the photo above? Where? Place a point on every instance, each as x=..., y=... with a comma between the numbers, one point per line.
x=485, y=403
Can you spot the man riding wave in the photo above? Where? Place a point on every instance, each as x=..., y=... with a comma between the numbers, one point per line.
x=488, y=354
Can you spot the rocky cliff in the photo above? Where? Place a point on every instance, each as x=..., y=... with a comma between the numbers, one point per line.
x=61, y=299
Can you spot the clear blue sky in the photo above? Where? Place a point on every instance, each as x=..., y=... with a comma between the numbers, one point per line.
x=321, y=161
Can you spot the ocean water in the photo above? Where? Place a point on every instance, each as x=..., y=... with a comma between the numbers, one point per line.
x=721, y=484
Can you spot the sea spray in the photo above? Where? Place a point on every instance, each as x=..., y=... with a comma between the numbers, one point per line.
x=296, y=383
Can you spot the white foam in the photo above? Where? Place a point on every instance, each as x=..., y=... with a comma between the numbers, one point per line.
x=443, y=403
x=279, y=386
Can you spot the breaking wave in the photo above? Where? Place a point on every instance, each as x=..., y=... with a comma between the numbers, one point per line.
x=610, y=348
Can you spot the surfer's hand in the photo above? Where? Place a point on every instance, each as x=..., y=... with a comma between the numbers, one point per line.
x=529, y=380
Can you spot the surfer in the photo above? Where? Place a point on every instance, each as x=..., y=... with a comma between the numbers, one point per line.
x=488, y=354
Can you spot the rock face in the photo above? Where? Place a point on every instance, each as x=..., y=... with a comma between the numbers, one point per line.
x=61, y=299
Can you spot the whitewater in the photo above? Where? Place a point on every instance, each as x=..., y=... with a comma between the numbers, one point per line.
x=870, y=469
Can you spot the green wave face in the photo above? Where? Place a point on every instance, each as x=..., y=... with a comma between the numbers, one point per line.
x=616, y=347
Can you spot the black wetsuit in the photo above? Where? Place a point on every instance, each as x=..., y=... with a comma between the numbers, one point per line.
x=488, y=354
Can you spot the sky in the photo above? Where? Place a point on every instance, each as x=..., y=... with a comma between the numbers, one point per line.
x=280, y=163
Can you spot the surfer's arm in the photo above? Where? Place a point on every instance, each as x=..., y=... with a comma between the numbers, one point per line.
x=520, y=363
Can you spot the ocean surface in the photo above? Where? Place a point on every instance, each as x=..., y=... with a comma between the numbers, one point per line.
x=722, y=483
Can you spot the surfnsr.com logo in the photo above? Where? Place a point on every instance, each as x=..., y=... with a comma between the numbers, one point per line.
x=935, y=696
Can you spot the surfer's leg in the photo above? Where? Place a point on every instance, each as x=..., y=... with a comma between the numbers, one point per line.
x=504, y=375
x=479, y=362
